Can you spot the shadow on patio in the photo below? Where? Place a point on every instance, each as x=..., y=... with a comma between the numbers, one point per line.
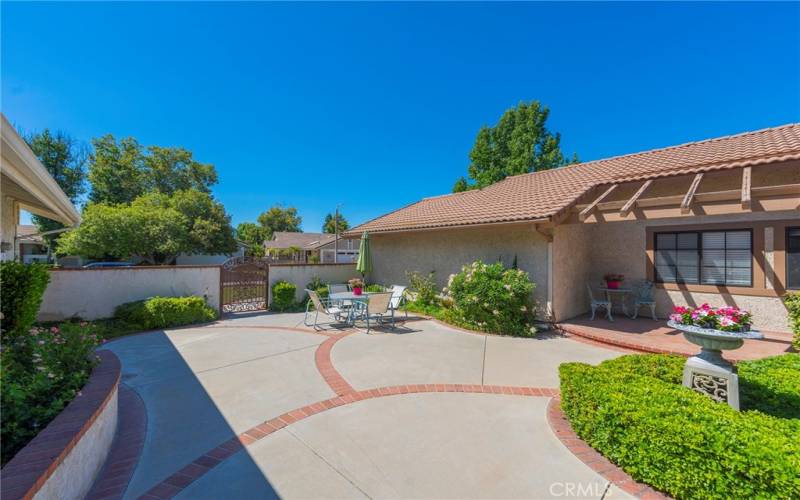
x=647, y=335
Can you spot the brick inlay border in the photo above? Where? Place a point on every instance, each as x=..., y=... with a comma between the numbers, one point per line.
x=180, y=480
x=116, y=474
x=561, y=427
x=322, y=358
x=32, y=466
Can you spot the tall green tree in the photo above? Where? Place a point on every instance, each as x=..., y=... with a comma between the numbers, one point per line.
x=122, y=170
x=65, y=158
x=329, y=226
x=519, y=143
x=280, y=218
x=156, y=226
x=253, y=236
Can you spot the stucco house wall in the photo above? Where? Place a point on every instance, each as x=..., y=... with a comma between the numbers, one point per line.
x=445, y=251
x=621, y=247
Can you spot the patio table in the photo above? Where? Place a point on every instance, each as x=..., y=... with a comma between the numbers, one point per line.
x=343, y=297
x=622, y=293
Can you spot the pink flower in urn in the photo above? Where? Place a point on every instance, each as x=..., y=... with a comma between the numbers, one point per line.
x=726, y=321
x=676, y=317
x=680, y=309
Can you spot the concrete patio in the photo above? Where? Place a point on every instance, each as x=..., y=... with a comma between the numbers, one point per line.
x=259, y=406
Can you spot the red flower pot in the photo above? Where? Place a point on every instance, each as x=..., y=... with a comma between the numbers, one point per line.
x=613, y=284
x=357, y=290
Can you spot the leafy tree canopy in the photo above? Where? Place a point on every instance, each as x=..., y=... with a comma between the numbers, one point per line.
x=253, y=236
x=156, y=226
x=65, y=159
x=280, y=218
x=330, y=227
x=519, y=143
x=121, y=171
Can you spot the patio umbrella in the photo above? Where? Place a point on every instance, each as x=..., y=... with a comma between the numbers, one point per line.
x=364, y=264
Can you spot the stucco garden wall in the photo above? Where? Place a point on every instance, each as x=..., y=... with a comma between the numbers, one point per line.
x=302, y=274
x=94, y=293
x=620, y=247
x=445, y=251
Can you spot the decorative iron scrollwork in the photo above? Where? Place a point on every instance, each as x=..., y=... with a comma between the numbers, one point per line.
x=714, y=387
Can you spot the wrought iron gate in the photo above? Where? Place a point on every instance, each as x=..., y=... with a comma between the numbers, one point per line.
x=244, y=283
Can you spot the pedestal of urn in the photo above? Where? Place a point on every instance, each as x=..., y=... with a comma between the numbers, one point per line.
x=708, y=372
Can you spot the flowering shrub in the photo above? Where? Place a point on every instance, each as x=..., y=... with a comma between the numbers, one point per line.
x=494, y=299
x=36, y=388
x=729, y=319
x=792, y=301
x=424, y=287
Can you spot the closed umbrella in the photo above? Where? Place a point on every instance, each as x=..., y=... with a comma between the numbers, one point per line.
x=364, y=264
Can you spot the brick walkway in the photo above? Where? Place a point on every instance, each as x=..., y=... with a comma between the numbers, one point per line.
x=646, y=335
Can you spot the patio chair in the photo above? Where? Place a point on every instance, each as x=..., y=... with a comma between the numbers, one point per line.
x=325, y=307
x=376, y=309
x=398, y=298
x=599, y=304
x=643, y=296
x=338, y=288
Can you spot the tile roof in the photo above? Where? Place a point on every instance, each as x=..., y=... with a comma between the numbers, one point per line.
x=539, y=195
x=308, y=241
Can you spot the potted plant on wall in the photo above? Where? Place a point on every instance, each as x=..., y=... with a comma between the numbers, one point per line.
x=614, y=281
x=357, y=285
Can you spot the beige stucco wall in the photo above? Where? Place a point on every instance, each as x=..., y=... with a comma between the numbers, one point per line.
x=8, y=226
x=94, y=293
x=445, y=251
x=74, y=477
x=619, y=247
x=302, y=274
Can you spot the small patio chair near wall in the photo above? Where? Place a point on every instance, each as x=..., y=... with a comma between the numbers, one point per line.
x=643, y=296
x=398, y=299
x=376, y=309
x=337, y=288
x=325, y=307
x=599, y=304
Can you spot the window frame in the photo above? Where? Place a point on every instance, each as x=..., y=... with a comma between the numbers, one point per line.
x=699, y=233
x=786, y=258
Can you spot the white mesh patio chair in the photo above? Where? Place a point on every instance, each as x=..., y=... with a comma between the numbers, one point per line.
x=398, y=299
x=599, y=304
x=374, y=310
x=339, y=288
x=643, y=296
x=326, y=307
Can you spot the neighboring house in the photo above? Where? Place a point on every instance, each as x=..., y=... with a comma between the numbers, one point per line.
x=311, y=247
x=31, y=246
x=714, y=221
x=26, y=184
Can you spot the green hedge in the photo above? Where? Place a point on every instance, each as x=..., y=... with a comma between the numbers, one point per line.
x=792, y=301
x=283, y=294
x=165, y=312
x=635, y=412
x=23, y=286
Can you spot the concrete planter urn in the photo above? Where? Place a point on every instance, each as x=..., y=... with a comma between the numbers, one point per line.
x=708, y=372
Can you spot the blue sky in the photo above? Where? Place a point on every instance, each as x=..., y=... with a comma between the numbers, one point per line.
x=373, y=106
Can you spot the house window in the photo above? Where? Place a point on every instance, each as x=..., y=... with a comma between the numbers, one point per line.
x=793, y=258
x=705, y=257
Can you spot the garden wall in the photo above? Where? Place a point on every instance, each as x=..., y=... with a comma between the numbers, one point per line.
x=94, y=293
x=302, y=274
x=64, y=459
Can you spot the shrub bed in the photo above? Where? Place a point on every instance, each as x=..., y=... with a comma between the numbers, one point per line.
x=36, y=389
x=635, y=412
x=283, y=297
x=23, y=287
x=792, y=301
x=165, y=312
x=492, y=298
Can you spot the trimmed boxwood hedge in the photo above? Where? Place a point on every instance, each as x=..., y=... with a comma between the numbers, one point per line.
x=635, y=412
x=165, y=312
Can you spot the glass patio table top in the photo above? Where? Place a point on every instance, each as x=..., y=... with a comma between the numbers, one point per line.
x=349, y=296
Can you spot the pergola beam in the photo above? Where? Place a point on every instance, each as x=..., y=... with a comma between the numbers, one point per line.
x=747, y=173
x=686, y=204
x=626, y=209
x=593, y=205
